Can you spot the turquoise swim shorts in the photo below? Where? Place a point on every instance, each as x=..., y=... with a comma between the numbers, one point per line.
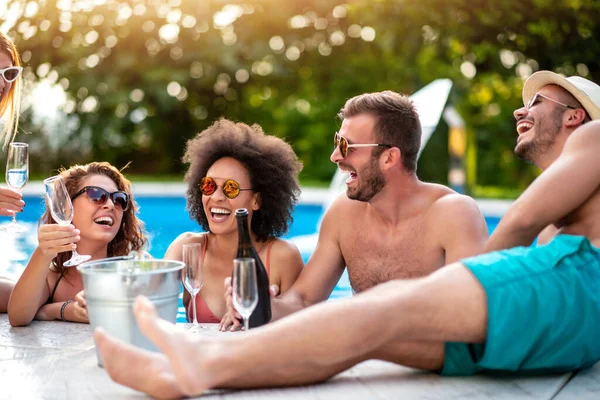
x=543, y=310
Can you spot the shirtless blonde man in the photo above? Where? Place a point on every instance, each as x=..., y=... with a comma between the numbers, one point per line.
x=526, y=309
x=389, y=225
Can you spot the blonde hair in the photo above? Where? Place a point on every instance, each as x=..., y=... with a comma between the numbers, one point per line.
x=11, y=104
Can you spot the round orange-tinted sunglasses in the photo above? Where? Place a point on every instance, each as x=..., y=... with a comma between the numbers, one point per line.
x=231, y=189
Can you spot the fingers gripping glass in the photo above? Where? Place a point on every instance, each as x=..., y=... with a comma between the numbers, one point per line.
x=11, y=74
x=17, y=175
x=536, y=99
x=231, y=189
x=99, y=197
x=62, y=211
x=341, y=143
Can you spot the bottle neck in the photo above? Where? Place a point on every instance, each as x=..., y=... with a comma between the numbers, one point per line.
x=243, y=231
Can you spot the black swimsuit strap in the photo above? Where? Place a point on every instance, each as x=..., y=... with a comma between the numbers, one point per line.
x=51, y=298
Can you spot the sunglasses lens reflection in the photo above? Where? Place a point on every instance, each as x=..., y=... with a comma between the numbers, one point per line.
x=207, y=186
x=231, y=189
x=120, y=200
x=11, y=74
x=96, y=195
x=99, y=197
x=341, y=143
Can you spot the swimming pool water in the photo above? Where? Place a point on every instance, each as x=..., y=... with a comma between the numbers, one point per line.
x=165, y=218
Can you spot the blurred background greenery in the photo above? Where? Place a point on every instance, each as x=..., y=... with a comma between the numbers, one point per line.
x=132, y=81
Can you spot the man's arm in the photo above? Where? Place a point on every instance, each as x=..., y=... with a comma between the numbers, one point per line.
x=323, y=270
x=462, y=230
x=557, y=192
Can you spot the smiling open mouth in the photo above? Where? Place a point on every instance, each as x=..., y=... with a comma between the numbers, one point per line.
x=219, y=214
x=104, y=221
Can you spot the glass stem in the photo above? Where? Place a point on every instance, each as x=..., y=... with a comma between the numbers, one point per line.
x=14, y=219
x=194, y=308
x=246, y=323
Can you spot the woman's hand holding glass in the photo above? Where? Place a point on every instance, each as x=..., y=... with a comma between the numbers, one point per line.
x=11, y=202
x=61, y=208
x=231, y=319
x=17, y=175
x=54, y=239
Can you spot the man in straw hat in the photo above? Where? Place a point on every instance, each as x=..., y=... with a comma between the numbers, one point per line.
x=526, y=309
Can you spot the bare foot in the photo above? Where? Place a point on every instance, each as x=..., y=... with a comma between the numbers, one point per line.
x=190, y=356
x=139, y=369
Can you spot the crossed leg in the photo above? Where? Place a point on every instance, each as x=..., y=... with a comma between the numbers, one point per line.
x=406, y=322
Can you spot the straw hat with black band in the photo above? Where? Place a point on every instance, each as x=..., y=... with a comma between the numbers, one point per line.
x=585, y=91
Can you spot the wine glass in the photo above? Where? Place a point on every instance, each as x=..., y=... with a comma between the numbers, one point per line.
x=245, y=288
x=17, y=174
x=62, y=211
x=193, y=272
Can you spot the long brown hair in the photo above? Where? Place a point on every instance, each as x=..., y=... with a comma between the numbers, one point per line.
x=11, y=104
x=131, y=234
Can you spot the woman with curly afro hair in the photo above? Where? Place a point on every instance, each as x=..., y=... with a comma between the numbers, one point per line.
x=105, y=224
x=234, y=165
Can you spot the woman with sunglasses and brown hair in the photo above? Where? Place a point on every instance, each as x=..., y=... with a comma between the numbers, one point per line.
x=105, y=224
x=233, y=165
x=11, y=201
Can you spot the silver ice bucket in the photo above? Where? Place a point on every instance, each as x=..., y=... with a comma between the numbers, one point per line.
x=111, y=286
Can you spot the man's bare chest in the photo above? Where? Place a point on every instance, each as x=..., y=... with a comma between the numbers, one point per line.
x=373, y=258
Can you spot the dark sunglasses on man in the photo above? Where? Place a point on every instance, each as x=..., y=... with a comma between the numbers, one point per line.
x=231, y=189
x=98, y=197
x=342, y=144
x=10, y=74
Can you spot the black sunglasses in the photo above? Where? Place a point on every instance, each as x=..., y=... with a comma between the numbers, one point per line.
x=99, y=197
x=231, y=189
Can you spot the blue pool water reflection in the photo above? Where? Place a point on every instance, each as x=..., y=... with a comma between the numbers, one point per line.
x=165, y=219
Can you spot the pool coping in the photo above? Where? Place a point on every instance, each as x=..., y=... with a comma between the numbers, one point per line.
x=309, y=196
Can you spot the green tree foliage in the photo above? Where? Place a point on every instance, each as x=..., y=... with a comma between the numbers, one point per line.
x=142, y=77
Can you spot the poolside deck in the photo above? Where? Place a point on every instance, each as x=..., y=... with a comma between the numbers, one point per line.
x=57, y=360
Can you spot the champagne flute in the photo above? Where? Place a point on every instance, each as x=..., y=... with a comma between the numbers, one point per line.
x=193, y=272
x=62, y=211
x=245, y=288
x=17, y=174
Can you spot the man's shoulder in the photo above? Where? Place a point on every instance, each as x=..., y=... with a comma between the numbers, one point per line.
x=449, y=205
x=586, y=134
x=445, y=199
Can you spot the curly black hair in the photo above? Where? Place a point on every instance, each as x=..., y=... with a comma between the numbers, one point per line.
x=271, y=163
